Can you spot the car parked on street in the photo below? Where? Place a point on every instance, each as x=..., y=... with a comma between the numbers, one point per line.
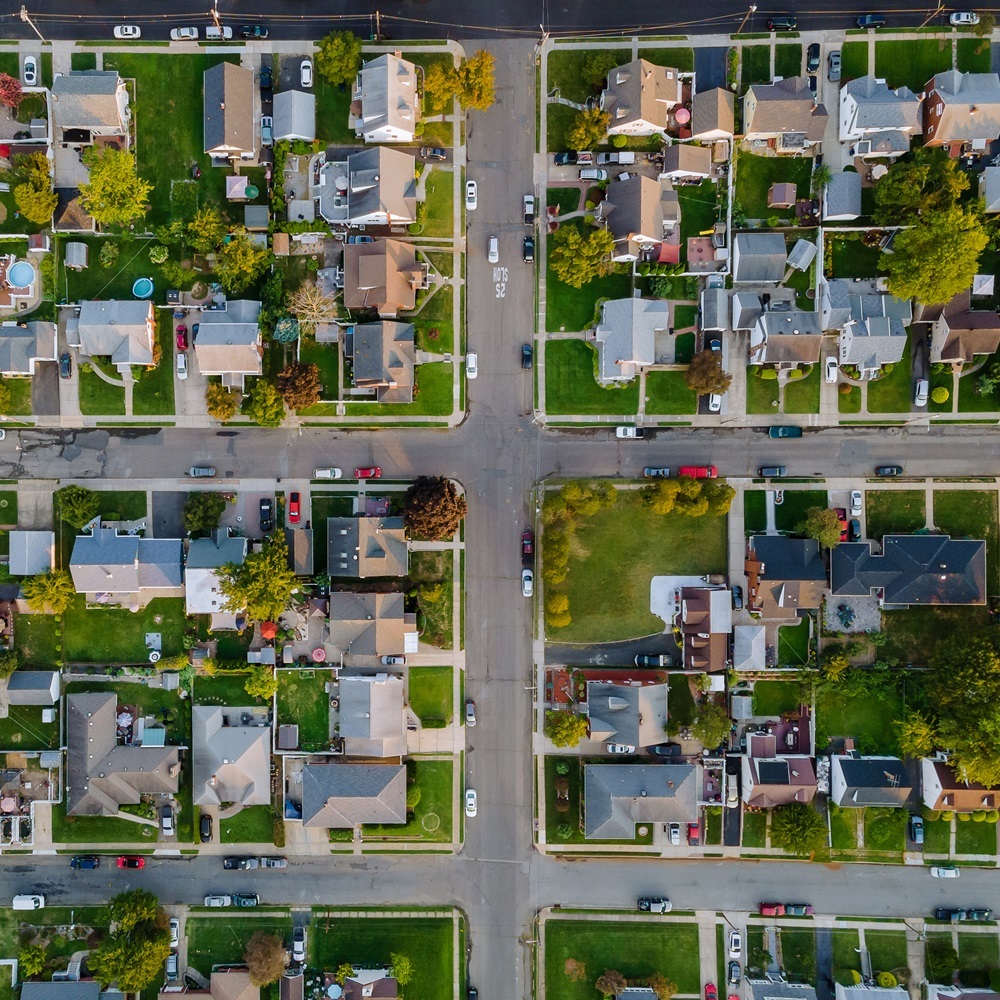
x=888, y=471
x=784, y=22
x=471, y=196
x=470, y=713
x=201, y=472
x=240, y=864
x=218, y=900
x=85, y=863
x=528, y=249
x=131, y=862
x=771, y=909
x=471, y=365
x=493, y=250
x=128, y=31
x=798, y=910
x=471, y=803
x=527, y=582
x=253, y=31
x=963, y=19
x=527, y=357
x=654, y=904
x=527, y=547
x=328, y=473
x=368, y=472
x=245, y=899
x=784, y=432
x=184, y=34
x=945, y=871
x=871, y=21
x=629, y=433
x=656, y=472
x=274, y=862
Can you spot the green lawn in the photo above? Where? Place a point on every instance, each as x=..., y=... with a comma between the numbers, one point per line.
x=793, y=644
x=607, y=603
x=851, y=258
x=115, y=282
x=303, y=701
x=891, y=511
x=798, y=955
x=326, y=505
x=433, y=396
x=667, y=392
x=699, y=210
x=754, y=510
x=849, y=402
x=565, y=73
x=713, y=825
x=637, y=950
x=59, y=930
x=789, y=514
x=969, y=400
x=431, y=695
x=975, y=838
x=116, y=635
x=222, y=689
x=681, y=59
x=153, y=393
x=854, y=60
x=434, y=324
x=885, y=829
x=332, y=107
x=788, y=60
x=100, y=830
x=754, y=829
x=915, y=632
x=913, y=61
x=862, y=717
x=36, y=640
x=973, y=55
x=845, y=954
x=570, y=386
x=214, y=941
x=559, y=117
x=431, y=820
x=684, y=342
x=887, y=950
x=683, y=709
x=843, y=830
x=324, y=357
x=978, y=954
x=971, y=514
x=433, y=573
x=802, y=395
x=756, y=174
x=762, y=394
x=775, y=697
x=756, y=63
x=937, y=836
x=97, y=397
x=23, y=729
x=438, y=208
x=892, y=392
x=564, y=199
x=252, y=825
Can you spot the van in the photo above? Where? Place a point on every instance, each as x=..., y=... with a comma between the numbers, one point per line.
x=593, y=174
x=331, y=473
x=28, y=902
x=771, y=471
x=172, y=967
x=732, y=791
x=921, y=392
x=214, y=34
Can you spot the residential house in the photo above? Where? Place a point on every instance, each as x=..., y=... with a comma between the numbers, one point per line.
x=119, y=329
x=911, y=569
x=364, y=547
x=944, y=789
x=83, y=989
x=866, y=991
x=959, y=333
x=202, y=592
x=633, y=714
x=383, y=276
x=876, y=120
x=639, y=212
x=842, y=197
x=784, y=576
x=618, y=797
x=786, y=339
x=341, y=796
x=383, y=357
x=625, y=337
x=294, y=115
x=759, y=258
x=706, y=622
x=229, y=342
x=374, y=187
x=292, y=985
x=23, y=344
x=370, y=624
x=872, y=324
x=713, y=115
x=115, y=568
x=639, y=96
x=783, y=115
x=229, y=112
x=370, y=984
x=372, y=718
x=385, y=103
x=90, y=106
x=989, y=189
x=857, y=782
x=685, y=162
x=714, y=309
x=749, y=647
x=769, y=780
x=747, y=309
x=105, y=770
x=637, y=993
x=777, y=989
x=953, y=992
x=962, y=109
x=225, y=984
x=232, y=756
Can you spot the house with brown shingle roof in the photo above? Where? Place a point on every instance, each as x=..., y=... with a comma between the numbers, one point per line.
x=960, y=333
x=769, y=780
x=369, y=624
x=713, y=115
x=639, y=97
x=784, y=115
x=229, y=112
x=945, y=790
x=640, y=212
x=383, y=276
x=706, y=623
x=383, y=357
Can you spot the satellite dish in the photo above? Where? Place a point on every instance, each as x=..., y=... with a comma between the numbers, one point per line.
x=154, y=656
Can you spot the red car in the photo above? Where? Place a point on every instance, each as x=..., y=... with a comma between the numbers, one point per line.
x=698, y=471
x=182, y=338
x=694, y=834
x=842, y=517
x=371, y=472
x=131, y=861
x=294, y=508
x=527, y=545
x=710, y=992
x=772, y=909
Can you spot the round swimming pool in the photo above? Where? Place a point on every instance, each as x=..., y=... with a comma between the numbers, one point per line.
x=21, y=274
x=142, y=288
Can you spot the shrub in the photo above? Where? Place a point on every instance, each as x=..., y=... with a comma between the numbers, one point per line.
x=619, y=141
x=769, y=374
x=940, y=395
x=979, y=816
x=964, y=818
x=991, y=815
x=562, y=767
x=947, y=815
x=845, y=389
x=565, y=831
x=886, y=980
x=931, y=815
x=109, y=254
x=888, y=369
x=795, y=373
x=158, y=254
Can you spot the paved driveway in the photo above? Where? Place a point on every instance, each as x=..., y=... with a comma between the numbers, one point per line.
x=168, y=515
x=45, y=389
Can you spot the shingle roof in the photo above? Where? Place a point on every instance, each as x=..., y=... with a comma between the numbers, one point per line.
x=120, y=329
x=842, y=196
x=759, y=257
x=713, y=111
x=765, y=989
x=857, y=781
x=776, y=781
x=34, y=687
x=970, y=105
x=368, y=624
x=715, y=309
x=687, y=159
x=366, y=546
x=86, y=100
x=229, y=341
x=229, y=110
x=626, y=335
x=22, y=344
x=618, y=796
x=106, y=562
x=382, y=180
x=789, y=558
x=339, y=796
x=371, y=715
x=388, y=102
x=294, y=115
x=784, y=106
x=628, y=714
x=880, y=107
x=641, y=91
x=637, y=207
x=231, y=763
x=383, y=275
x=989, y=188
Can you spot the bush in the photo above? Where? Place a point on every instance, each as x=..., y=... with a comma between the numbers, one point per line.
x=991, y=815
x=769, y=374
x=931, y=815
x=888, y=369
x=109, y=254
x=845, y=389
x=886, y=980
x=562, y=767
x=940, y=395
x=158, y=254
x=619, y=141
x=947, y=815
x=565, y=831
x=964, y=818
x=979, y=816
x=795, y=373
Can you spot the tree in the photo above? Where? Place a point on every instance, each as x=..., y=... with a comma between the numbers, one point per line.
x=663, y=988
x=203, y=512
x=241, y=262
x=266, y=406
x=931, y=182
x=220, y=402
x=942, y=959
x=704, y=374
x=138, y=944
x=77, y=505
x=611, y=983
x=940, y=394
x=440, y=84
x=344, y=970
x=433, y=508
x=262, y=584
x=712, y=725
x=262, y=683
x=577, y=258
x=835, y=664
x=207, y=229
x=565, y=729
x=34, y=196
x=300, y=385
x=719, y=495
x=475, y=81
x=987, y=22
x=339, y=57
x=265, y=958
x=797, y=828
x=311, y=305
x=11, y=93
x=50, y=593
x=690, y=501
x=589, y=128
x=937, y=258
x=10, y=660
x=820, y=178
x=402, y=968
x=598, y=65
x=31, y=960
x=661, y=496
x=823, y=524
x=115, y=195
x=989, y=381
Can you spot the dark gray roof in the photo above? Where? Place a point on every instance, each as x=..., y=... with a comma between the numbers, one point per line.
x=869, y=781
x=22, y=344
x=371, y=715
x=789, y=558
x=87, y=99
x=912, y=569
x=765, y=989
x=33, y=687
x=339, y=796
x=715, y=309
x=89, y=990
x=759, y=257
x=618, y=796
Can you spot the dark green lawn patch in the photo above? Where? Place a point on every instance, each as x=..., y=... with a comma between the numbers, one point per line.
x=97, y=397
x=868, y=721
x=683, y=345
x=843, y=836
x=887, y=949
x=251, y=825
x=937, y=836
x=567, y=820
x=762, y=394
x=303, y=701
x=431, y=820
x=566, y=73
x=892, y=392
x=885, y=829
x=431, y=695
x=23, y=729
x=912, y=62
x=789, y=514
x=82, y=61
x=890, y=512
x=775, y=697
x=432, y=396
x=683, y=710
x=222, y=689
x=969, y=399
x=798, y=955
x=756, y=174
x=213, y=941
x=713, y=825
x=570, y=386
x=681, y=59
x=915, y=632
x=607, y=604
x=153, y=393
x=845, y=953
x=802, y=395
x=803, y=282
x=978, y=954
x=324, y=357
x=976, y=838
x=36, y=640
x=699, y=210
x=434, y=324
x=100, y=830
x=564, y=199
x=667, y=392
x=754, y=829
x=433, y=573
x=849, y=402
x=326, y=505
x=793, y=644
x=559, y=118
x=116, y=635
x=852, y=259
x=971, y=514
x=973, y=55
x=754, y=510
x=756, y=63
x=788, y=60
x=853, y=61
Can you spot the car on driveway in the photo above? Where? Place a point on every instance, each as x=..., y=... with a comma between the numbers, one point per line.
x=830, y=369
x=654, y=904
x=471, y=802
x=131, y=861
x=368, y=472
x=674, y=834
x=854, y=530
x=354, y=239
x=735, y=944
x=917, y=829
x=267, y=131
x=833, y=66
x=85, y=862
x=294, y=508
x=65, y=366
x=306, y=73
x=888, y=471
x=842, y=517
x=651, y=660
x=857, y=503
x=714, y=403
x=527, y=582
x=167, y=821
x=299, y=945
x=694, y=834
x=253, y=31
x=710, y=992
x=184, y=34
x=733, y=975
x=266, y=514
x=175, y=932
x=433, y=153
x=182, y=338
x=240, y=864
x=666, y=750
x=205, y=827
x=182, y=365
x=266, y=91
x=921, y=392
x=784, y=432
x=393, y=660
x=471, y=196
x=29, y=71
x=945, y=871
x=620, y=749
x=737, y=598
x=812, y=58
x=963, y=19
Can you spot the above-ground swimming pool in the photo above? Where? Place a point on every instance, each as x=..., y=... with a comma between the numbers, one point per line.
x=142, y=288
x=21, y=274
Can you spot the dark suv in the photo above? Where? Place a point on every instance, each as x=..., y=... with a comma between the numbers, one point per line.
x=266, y=514
x=783, y=22
x=812, y=58
x=266, y=91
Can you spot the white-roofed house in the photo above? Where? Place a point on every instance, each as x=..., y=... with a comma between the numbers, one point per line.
x=294, y=115
x=31, y=552
x=626, y=336
x=202, y=593
x=229, y=342
x=119, y=329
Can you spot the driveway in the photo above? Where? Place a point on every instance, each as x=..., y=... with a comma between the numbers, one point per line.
x=45, y=389
x=168, y=515
x=612, y=654
x=710, y=68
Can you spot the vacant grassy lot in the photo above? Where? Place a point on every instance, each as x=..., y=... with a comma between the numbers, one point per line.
x=971, y=514
x=433, y=573
x=793, y=644
x=789, y=514
x=570, y=386
x=303, y=701
x=431, y=820
x=667, y=392
x=843, y=832
x=867, y=720
x=775, y=697
x=802, y=395
x=756, y=174
x=617, y=552
x=978, y=954
x=683, y=709
x=324, y=357
x=438, y=208
x=914, y=633
x=892, y=392
x=252, y=825
x=852, y=259
x=890, y=511
x=754, y=829
x=211, y=941
x=885, y=829
x=23, y=729
x=756, y=64
x=431, y=695
x=788, y=60
x=699, y=210
x=762, y=394
x=116, y=635
x=911, y=63
x=434, y=324
x=976, y=838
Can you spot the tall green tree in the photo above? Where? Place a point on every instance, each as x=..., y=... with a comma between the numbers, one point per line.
x=77, y=505
x=115, y=195
x=266, y=407
x=207, y=229
x=133, y=953
x=930, y=182
x=598, y=64
x=577, y=258
x=476, y=81
x=823, y=524
x=221, y=403
x=241, y=262
x=262, y=584
x=565, y=729
x=261, y=683
x=589, y=128
x=203, y=512
x=51, y=592
x=33, y=193
x=433, y=507
x=712, y=725
x=339, y=57
x=797, y=829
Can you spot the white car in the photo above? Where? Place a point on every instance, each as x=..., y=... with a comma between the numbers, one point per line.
x=175, y=932
x=184, y=35
x=472, y=365
x=332, y=473
x=128, y=31
x=618, y=749
x=182, y=366
x=921, y=392
x=628, y=433
x=471, y=802
x=735, y=944
x=471, y=196
x=470, y=712
x=964, y=19
x=674, y=833
x=306, y=73
x=214, y=34
x=493, y=253
x=857, y=503
x=944, y=871
x=30, y=71
x=218, y=901
x=831, y=369
x=714, y=403
x=527, y=583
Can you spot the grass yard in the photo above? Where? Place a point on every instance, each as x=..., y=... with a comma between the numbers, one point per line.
x=252, y=825
x=303, y=701
x=885, y=829
x=430, y=691
x=912, y=62
x=36, y=640
x=609, y=604
x=150, y=701
x=937, y=836
x=431, y=820
x=222, y=689
x=563, y=199
x=325, y=358
x=754, y=510
x=862, y=717
x=699, y=210
x=433, y=574
x=852, y=259
x=887, y=949
x=59, y=930
x=775, y=697
x=433, y=396
x=326, y=505
x=849, y=402
x=559, y=118
x=843, y=829
x=100, y=830
x=332, y=107
x=23, y=729
x=153, y=393
x=791, y=513
x=892, y=392
x=973, y=55
x=667, y=392
x=845, y=954
x=554, y=819
x=212, y=941
x=570, y=386
x=853, y=60
x=754, y=829
x=684, y=342
x=788, y=60
x=97, y=282
x=978, y=954
x=97, y=397
x=798, y=955
x=565, y=74
x=637, y=950
x=756, y=64
x=756, y=174
x=434, y=325
x=438, y=207
x=116, y=635
x=713, y=825
x=802, y=395
x=679, y=58
x=975, y=838
x=683, y=710
x=684, y=317
x=971, y=514
x=762, y=394
x=969, y=400
x=915, y=632
x=891, y=511
x=793, y=644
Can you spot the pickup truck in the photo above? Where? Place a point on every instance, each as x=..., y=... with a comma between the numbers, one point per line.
x=622, y=158
x=529, y=209
x=698, y=471
x=240, y=864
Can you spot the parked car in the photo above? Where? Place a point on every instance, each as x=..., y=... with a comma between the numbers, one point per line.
x=470, y=712
x=471, y=365
x=888, y=471
x=651, y=660
x=205, y=827
x=527, y=582
x=715, y=344
x=299, y=944
x=527, y=357
x=214, y=34
x=771, y=471
x=368, y=472
x=131, y=862
x=842, y=517
x=294, y=508
x=798, y=910
x=266, y=514
x=737, y=598
x=857, y=503
x=218, y=900
x=921, y=392
x=710, y=992
x=945, y=871
x=245, y=899
x=666, y=750
x=65, y=366
x=654, y=904
x=527, y=546
x=128, y=31
x=871, y=21
x=175, y=932
x=182, y=338
x=830, y=369
x=619, y=749
x=240, y=864
x=329, y=473
x=812, y=58
x=784, y=432
x=265, y=82
x=916, y=829
x=172, y=967
x=201, y=471
x=674, y=834
x=565, y=159
x=772, y=909
x=714, y=403
x=393, y=661
x=785, y=22
x=593, y=174
x=471, y=196
x=981, y=913
x=694, y=834
x=29, y=71
x=833, y=66
x=253, y=31
x=274, y=862
x=656, y=472
x=493, y=250
x=528, y=249
x=182, y=366
x=184, y=34
x=733, y=975
x=472, y=993
x=629, y=433
x=167, y=821
x=267, y=131
x=698, y=471
x=356, y=238
x=963, y=19
x=471, y=803
x=853, y=530
x=433, y=153
x=735, y=944
x=306, y=73
x=952, y=915
x=85, y=863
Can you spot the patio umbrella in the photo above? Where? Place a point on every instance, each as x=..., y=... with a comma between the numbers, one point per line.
x=268, y=630
x=319, y=654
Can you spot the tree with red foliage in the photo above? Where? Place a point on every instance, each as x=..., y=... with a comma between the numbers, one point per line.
x=11, y=94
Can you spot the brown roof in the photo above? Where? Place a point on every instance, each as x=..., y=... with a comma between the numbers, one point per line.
x=383, y=275
x=955, y=794
x=784, y=106
x=967, y=332
x=229, y=115
x=777, y=781
x=370, y=985
x=636, y=207
x=638, y=90
x=384, y=356
x=713, y=111
x=781, y=196
x=706, y=644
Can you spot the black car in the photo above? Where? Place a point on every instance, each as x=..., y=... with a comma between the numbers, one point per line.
x=205, y=828
x=246, y=899
x=240, y=864
x=715, y=345
x=984, y=913
x=266, y=91
x=473, y=993
x=853, y=530
x=528, y=249
x=734, y=973
x=65, y=366
x=266, y=514
x=783, y=23
x=565, y=159
x=887, y=471
x=85, y=862
x=253, y=31
x=871, y=21
x=527, y=357
x=737, y=598
x=812, y=58
x=666, y=750
x=946, y=913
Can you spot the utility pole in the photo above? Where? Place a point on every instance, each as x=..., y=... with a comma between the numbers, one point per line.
x=27, y=20
x=746, y=17
x=214, y=15
x=933, y=13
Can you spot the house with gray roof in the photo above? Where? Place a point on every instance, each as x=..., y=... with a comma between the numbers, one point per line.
x=374, y=187
x=343, y=795
x=625, y=713
x=618, y=797
x=366, y=546
x=372, y=718
x=31, y=552
x=229, y=119
x=784, y=115
x=714, y=309
x=84, y=989
x=759, y=258
x=103, y=773
x=294, y=115
x=626, y=336
x=117, y=569
x=370, y=624
x=23, y=344
x=787, y=339
x=989, y=189
x=857, y=781
x=639, y=96
x=872, y=323
x=962, y=109
x=863, y=991
x=911, y=569
x=119, y=329
x=749, y=647
x=384, y=358
x=229, y=342
x=876, y=119
x=747, y=309
x=713, y=115
x=842, y=197
x=385, y=102
x=232, y=761
x=639, y=213
x=202, y=592
x=88, y=105
x=777, y=989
